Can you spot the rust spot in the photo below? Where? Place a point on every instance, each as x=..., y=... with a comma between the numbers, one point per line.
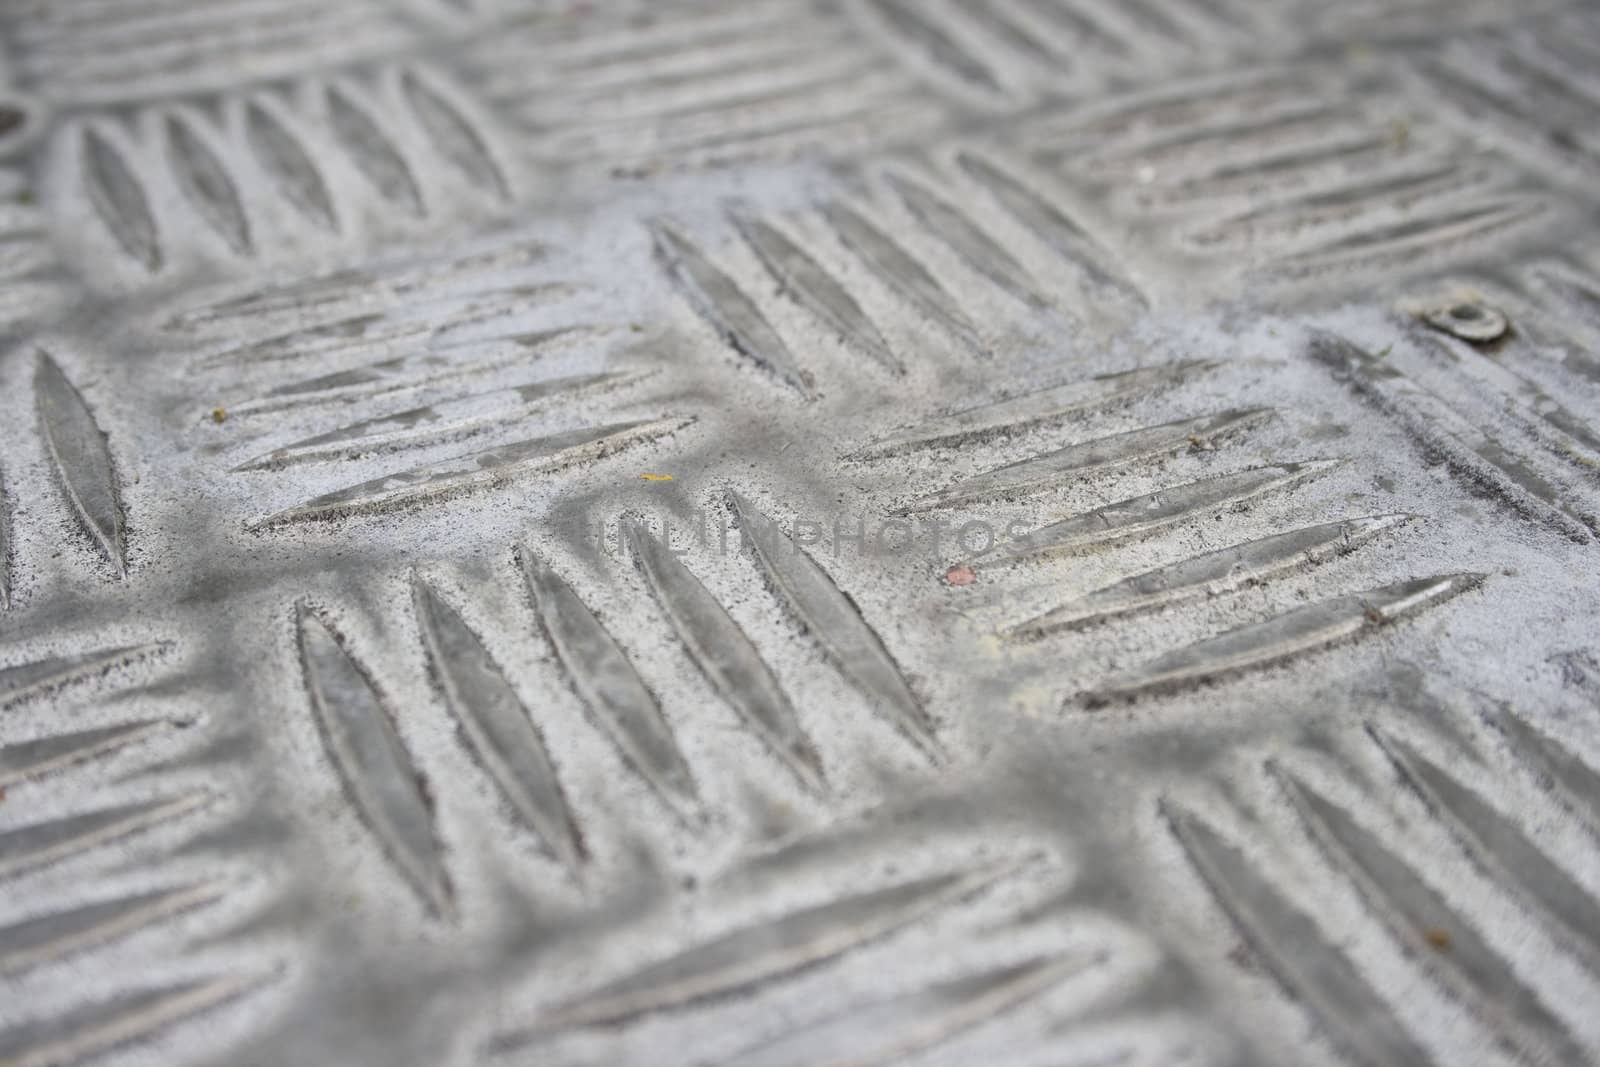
x=1438, y=938
x=1200, y=444
x=656, y=477
x=960, y=575
x=219, y=415
x=1374, y=616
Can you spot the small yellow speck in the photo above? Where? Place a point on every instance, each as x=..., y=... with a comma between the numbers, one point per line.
x=656, y=477
x=219, y=415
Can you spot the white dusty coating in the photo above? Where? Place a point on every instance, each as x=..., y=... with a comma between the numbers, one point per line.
x=388, y=394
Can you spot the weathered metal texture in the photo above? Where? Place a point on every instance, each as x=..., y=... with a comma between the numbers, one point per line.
x=859, y=532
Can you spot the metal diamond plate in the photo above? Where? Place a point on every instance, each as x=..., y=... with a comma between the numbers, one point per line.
x=806, y=532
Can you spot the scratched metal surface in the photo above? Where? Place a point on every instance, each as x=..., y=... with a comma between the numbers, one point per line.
x=1047, y=532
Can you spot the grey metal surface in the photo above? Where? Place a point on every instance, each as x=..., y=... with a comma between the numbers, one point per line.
x=1046, y=532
